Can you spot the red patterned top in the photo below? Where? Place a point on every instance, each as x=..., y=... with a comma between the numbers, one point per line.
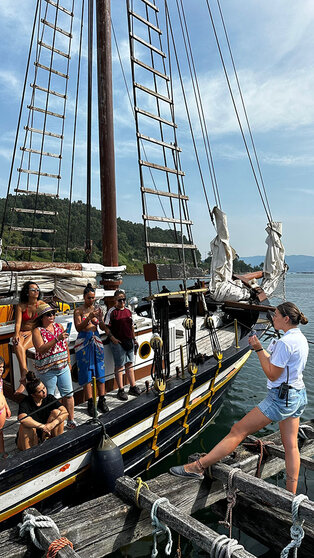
x=57, y=356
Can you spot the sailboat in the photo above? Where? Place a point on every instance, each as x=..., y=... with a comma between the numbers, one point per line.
x=192, y=340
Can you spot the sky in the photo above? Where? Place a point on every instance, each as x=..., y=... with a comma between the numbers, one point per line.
x=272, y=46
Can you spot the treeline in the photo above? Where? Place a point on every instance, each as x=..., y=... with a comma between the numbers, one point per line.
x=70, y=234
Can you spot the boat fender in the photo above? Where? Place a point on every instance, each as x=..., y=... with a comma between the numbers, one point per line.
x=156, y=342
x=192, y=368
x=106, y=464
x=187, y=323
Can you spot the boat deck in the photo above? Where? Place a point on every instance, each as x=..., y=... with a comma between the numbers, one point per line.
x=80, y=414
x=226, y=338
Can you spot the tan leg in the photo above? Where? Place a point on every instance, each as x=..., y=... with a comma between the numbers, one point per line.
x=119, y=376
x=87, y=389
x=289, y=436
x=27, y=438
x=1, y=442
x=101, y=388
x=58, y=429
x=252, y=422
x=130, y=373
x=68, y=402
x=20, y=351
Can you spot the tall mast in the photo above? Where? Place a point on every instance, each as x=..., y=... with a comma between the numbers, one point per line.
x=106, y=135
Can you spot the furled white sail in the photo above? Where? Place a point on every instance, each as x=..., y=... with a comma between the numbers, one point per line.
x=221, y=285
x=274, y=264
x=65, y=284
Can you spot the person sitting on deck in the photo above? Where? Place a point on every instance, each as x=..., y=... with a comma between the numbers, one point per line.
x=41, y=416
x=119, y=328
x=89, y=349
x=4, y=409
x=283, y=365
x=25, y=315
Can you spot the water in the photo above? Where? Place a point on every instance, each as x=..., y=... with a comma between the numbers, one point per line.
x=248, y=389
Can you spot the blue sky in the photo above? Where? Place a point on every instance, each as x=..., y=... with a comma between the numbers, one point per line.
x=272, y=44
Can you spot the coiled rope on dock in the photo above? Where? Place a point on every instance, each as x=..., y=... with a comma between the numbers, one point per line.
x=32, y=522
x=296, y=529
x=223, y=547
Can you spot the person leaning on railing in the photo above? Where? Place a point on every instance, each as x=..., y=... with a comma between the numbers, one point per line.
x=41, y=416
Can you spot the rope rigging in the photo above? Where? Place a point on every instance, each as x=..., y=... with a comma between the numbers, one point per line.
x=237, y=112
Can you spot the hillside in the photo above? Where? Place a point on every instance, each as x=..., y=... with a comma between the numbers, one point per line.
x=130, y=235
x=295, y=263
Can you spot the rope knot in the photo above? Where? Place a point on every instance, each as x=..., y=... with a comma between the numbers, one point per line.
x=296, y=529
x=159, y=528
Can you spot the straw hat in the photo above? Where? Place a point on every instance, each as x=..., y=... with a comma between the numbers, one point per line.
x=43, y=309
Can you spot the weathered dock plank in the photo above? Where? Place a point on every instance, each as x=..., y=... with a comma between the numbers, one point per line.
x=101, y=526
x=258, y=521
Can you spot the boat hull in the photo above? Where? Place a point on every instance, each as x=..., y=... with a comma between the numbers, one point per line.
x=149, y=428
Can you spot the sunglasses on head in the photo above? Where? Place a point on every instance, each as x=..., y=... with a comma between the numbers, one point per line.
x=121, y=299
x=49, y=314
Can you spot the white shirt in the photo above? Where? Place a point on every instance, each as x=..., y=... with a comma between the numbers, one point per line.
x=291, y=350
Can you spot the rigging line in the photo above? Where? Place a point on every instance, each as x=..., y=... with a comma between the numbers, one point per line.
x=244, y=108
x=63, y=120
x=74, y=131
x=19, y=118
x=160, y=124
x=236, y=110
x=177, y=162
x=169, y=93
x=132, y=109
x=30, y=118
x=89, y=129
x=199, y=105
x=188, y=113
x=44, y=127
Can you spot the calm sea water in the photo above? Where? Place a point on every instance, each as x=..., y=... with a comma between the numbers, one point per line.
x=248, y=389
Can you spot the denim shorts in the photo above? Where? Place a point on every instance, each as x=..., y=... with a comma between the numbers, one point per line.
x=276, y=409
x=120, y=356
x=58, y=378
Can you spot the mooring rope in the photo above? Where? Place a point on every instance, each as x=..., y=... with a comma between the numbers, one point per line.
x=231, y=501
x=140, y=483
x=223, y=547
x=159, y=528
x=32, y=522
x=296, y=529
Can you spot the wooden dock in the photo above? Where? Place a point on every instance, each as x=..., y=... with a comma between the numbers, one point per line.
x=103, y=525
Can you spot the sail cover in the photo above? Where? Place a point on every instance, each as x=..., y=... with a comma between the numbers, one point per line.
x=221, y=285
x=274, y=264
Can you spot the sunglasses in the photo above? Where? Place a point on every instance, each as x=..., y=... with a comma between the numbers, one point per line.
x=34, y=290
x=121, y=299
x=41, y=390
x=49, y=314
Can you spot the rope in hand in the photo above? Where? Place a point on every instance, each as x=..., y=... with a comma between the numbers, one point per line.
x=223, y=547
x=32, y=522
x=231, y=501
x=296, y=529
x=137, y=493
x=160, y=528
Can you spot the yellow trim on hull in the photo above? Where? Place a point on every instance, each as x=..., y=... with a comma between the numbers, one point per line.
x=41, y=496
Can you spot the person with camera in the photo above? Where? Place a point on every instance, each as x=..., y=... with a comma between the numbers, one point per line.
x=283, y=364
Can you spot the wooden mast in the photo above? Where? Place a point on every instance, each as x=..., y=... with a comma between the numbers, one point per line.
x=106, y=135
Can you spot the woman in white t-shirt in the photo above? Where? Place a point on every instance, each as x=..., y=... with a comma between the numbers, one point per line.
x=283, y=364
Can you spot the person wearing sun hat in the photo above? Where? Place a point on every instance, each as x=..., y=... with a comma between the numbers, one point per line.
x=52, y=358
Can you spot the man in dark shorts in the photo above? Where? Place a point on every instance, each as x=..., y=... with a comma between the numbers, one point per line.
x=41, y=416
